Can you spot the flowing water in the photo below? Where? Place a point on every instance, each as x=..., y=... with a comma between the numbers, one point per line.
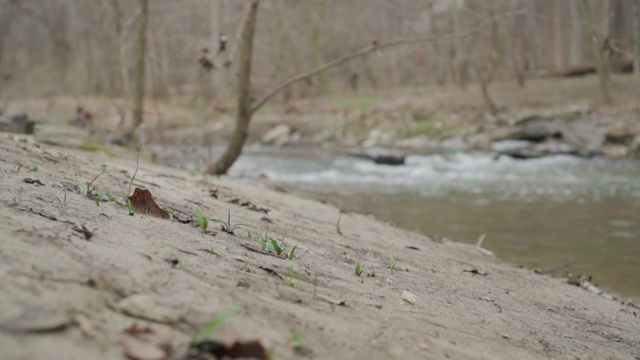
x=536, y=212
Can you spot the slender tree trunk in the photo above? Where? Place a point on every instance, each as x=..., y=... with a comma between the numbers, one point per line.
x=557, y=35
x=636, y=63
x=458, y=60
x=602, y=65
x=138, y=101
x=244, y=113
x=576, y=36
x=513, y=39
x=493, y=61
x=487, y=78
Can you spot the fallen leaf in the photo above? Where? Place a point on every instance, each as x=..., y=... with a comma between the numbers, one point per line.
x=250, y=349
x=33, y=181
x=409, y=297
x=137, y=349
x=137, y=328
x=142, y=202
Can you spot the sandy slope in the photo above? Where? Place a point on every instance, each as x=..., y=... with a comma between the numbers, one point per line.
x=65, y=297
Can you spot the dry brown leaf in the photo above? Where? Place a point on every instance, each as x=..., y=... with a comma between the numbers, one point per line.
x=137, y=328
x=250, y=349
x=143, y=203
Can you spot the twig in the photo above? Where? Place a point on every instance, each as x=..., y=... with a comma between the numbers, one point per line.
x=481, y=240
x=251, y=248
x=135, y=172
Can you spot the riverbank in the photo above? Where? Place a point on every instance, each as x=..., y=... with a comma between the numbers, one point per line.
x=78, y=276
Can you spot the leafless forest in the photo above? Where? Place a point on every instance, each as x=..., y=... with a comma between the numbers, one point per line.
x=73, y=47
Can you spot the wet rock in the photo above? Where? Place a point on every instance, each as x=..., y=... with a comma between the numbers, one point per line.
x=376, y=138
x=17, y=123
x=454, y=143
x=480, y=141
x=588, y=137
x=417, y=142
x=615, y=150
x=572, y=112
x=381, y=156
x=281, y=135
x=536, y=131
x=510, y=145
x=539, y=150
x=634, y=148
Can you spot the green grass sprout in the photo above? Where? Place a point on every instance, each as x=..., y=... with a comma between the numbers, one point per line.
x=214, y=325
x=202, y=221
x=358, y=269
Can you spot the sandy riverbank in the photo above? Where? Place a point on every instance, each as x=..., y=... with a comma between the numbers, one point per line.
x=75, y=275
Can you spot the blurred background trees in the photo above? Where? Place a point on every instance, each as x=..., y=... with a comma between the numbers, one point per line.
x=72, y=47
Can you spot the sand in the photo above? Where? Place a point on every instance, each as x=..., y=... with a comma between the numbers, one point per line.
x=74, y=276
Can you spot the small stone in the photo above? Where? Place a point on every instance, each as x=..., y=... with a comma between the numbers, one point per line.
x=409, y=297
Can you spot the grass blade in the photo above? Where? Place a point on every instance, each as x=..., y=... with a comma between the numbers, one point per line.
x=214, y=324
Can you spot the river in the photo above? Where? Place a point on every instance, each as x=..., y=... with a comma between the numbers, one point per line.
x=536, y=213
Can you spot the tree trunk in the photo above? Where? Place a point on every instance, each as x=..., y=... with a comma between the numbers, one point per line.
x=513, y=40
x=458, y=57
x=602, y=65
x=557, y=35
x=487, y=78
x=493, y=61
x=636, y=63
x=575, y=55
x=138, y=101
x=244, y=112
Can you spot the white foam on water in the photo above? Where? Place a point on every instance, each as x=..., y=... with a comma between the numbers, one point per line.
x=560, y=176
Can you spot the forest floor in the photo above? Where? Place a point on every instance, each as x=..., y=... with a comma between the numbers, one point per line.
x=82, y=279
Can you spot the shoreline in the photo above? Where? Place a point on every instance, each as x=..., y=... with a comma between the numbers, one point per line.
x=171, y=268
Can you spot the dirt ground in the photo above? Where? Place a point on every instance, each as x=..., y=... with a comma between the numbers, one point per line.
x=75, y=277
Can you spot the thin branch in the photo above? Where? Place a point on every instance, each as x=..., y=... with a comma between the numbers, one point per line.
x=375, y=46
x=59, y=39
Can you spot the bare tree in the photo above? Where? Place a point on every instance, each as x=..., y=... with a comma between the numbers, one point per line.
x=246, y=109
x=601, y=62
x=636, y=18
x=576, y=36
x=138, y=102
x=493, y=60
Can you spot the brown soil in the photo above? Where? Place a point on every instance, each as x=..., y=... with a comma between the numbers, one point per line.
x=75, y=276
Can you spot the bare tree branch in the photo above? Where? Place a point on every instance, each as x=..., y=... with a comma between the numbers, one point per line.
x=376, y=46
